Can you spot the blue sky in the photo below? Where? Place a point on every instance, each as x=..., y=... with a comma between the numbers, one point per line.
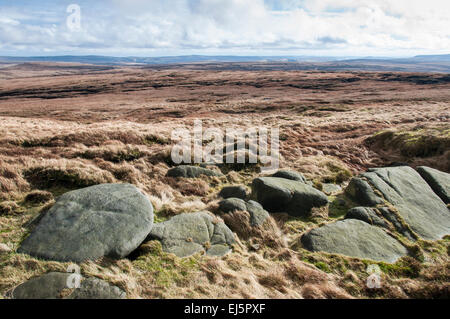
x=241, y=27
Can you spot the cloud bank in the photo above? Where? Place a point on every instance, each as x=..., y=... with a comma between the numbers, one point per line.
x=170, y=27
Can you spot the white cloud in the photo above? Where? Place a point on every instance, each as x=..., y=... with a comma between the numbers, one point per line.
x=324, y=27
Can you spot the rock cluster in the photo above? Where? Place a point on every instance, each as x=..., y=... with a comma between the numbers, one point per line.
x=113, y=220
x=393, y=198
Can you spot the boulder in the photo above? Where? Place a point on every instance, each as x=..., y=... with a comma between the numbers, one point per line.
x=419, y=207
x=397, y=222
x=372, y=217
x=282, y=195
x=354, y=238
x=53, y=285
x=291, y=175
x=191, y=172
x=93, y=288
x=360, y=191
x=258, y=214
x=233, y=192
x=366, y=214
x=232, y=204
x=103, y=220
x=438, y=181
x=189, y=233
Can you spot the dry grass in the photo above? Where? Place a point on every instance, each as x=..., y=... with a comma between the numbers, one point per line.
x=50, y=146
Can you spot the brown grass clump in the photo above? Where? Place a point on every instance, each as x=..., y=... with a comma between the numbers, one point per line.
x=423, y=145
x=188, y=187
x=65, y=174
x=38, y=197
x=11, y=181
x=266, y=235
x=8, y=207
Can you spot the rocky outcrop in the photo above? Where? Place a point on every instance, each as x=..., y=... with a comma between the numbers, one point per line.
x=354, y=238
x=416, y=203
x=187, y=171
x=54, y=285
x=283, y=195
x=189, y=233
x=438, y=181
x=104, y=220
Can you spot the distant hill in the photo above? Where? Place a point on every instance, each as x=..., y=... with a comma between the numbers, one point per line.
x=98, y=59
x=420, y=63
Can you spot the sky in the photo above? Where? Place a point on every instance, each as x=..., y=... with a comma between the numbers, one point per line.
x=225, y=27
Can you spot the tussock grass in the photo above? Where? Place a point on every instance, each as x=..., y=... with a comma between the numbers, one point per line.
x=43, y=159
x=421, y=145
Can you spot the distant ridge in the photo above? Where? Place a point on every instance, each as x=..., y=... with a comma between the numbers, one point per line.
x=419, y=63
x=99, y=59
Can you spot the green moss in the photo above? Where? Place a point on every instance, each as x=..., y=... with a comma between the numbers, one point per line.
x=331, y=263
x=404, y=267
x=164, y=268
x=339, y=206
x=338, y=174
x=322, y=266
x=161, y=216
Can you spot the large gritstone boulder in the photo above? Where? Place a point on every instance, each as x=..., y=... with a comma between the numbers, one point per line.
x=187, y=234
x=104, y=220
x=283, y=195
x=416, y=203
x=354, y=238
x=55, y=285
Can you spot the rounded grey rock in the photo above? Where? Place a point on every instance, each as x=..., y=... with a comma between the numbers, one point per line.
x=103, y=220
x=52, y=285
x=233, y=192
x=189, y=233
x=354, y=238
x=282, y=195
